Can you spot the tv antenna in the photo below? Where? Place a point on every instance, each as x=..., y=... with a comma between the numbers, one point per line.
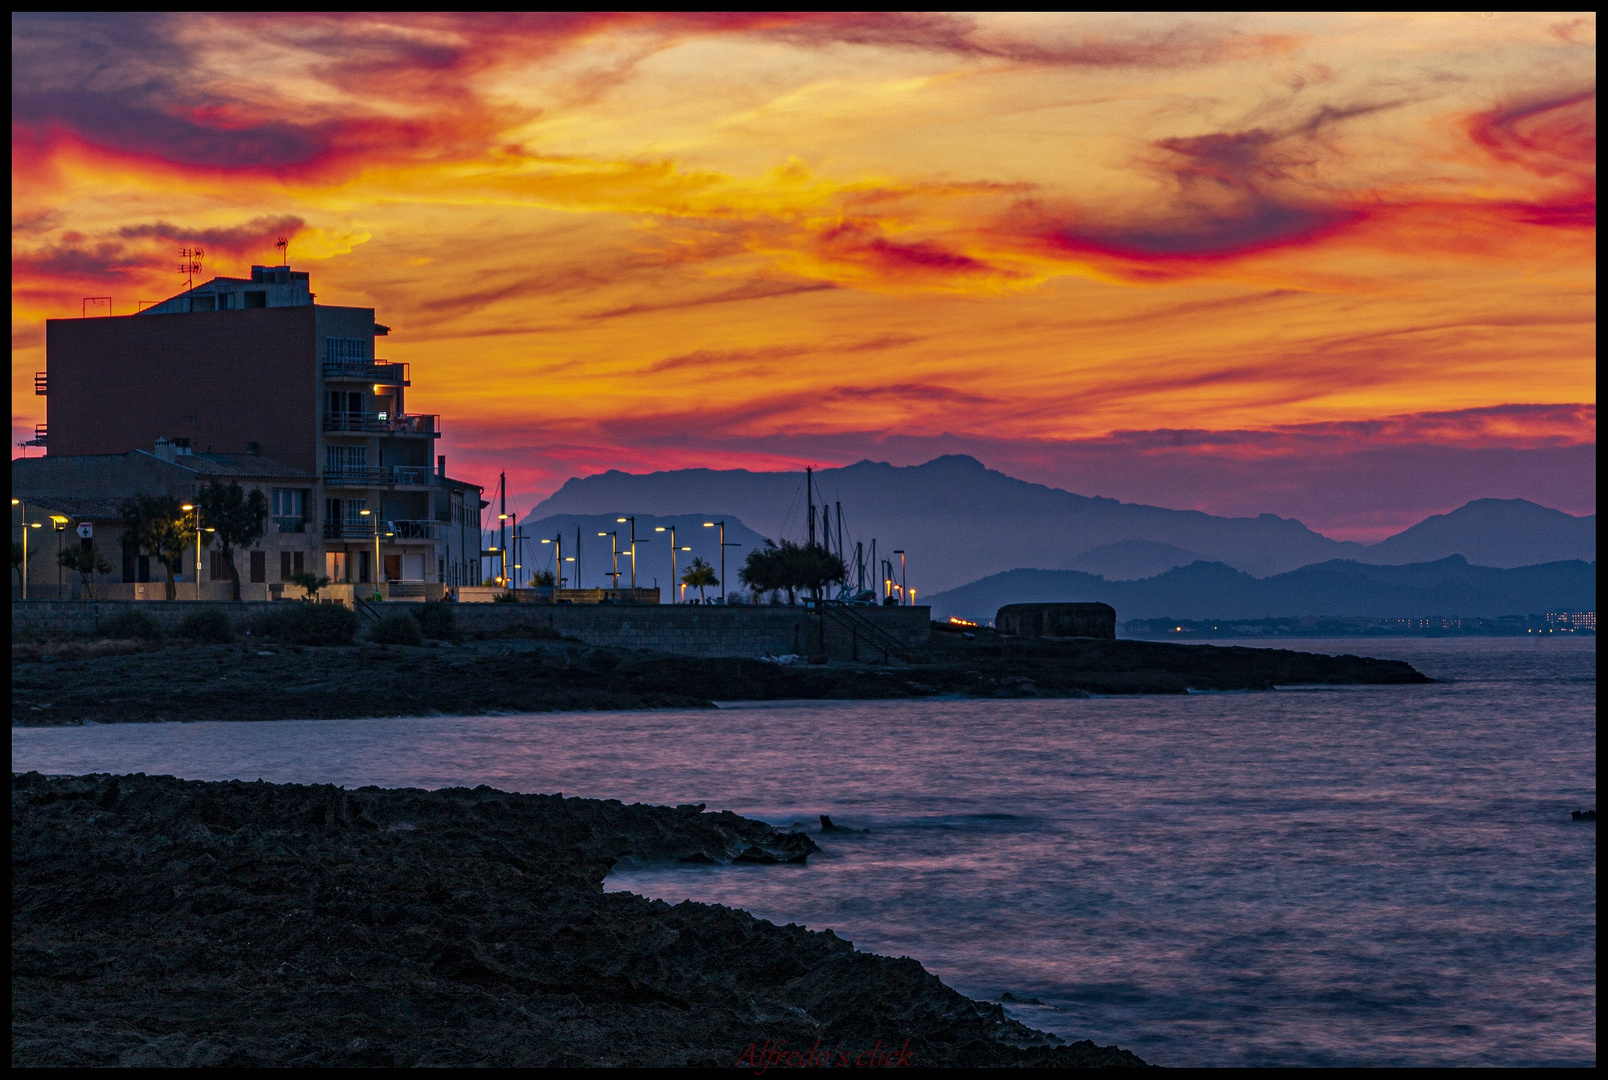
x=283, y=244
x=191, y=266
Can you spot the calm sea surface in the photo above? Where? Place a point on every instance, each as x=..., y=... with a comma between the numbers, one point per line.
x=1363, y=876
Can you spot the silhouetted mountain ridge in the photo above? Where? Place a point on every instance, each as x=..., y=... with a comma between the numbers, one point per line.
x=1338, y=588
x=959, y=520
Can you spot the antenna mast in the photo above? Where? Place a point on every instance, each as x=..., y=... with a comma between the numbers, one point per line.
x=809, y=498
x=283, y=244
x=191, y=266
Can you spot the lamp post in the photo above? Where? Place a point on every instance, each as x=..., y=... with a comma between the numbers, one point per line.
x=558, y=560
x=634, y=543
x=376, y=569
x=502, y=537
x=24, y=513
x=614, y=549
x=190, y=508
x=674, y=572
x=903, y=597
x=723, y=547
x=61, y=526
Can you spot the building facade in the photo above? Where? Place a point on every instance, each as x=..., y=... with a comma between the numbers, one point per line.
x=254, y=370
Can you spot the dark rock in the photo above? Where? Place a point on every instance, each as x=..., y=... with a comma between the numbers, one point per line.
x=282, y=925
x=828, y=826
x=1585, y=815
x=1013, y=999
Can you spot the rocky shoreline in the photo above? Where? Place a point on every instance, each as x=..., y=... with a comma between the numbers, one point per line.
x=164, y=922
x=112, y=682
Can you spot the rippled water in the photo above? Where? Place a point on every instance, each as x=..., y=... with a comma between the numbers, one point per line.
x=1310, y=877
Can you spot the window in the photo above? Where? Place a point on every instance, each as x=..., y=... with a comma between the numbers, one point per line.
x=256, y=298
x=338, y=350
x=345, y=401
x=219, y=570
x=289, y=502
x=259, y=567
x=344, y=458
x=203, y=303
x=354, y=510
x=284, y=566
x=297, y=564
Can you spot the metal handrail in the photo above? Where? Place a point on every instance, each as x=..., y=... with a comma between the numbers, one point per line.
x=384, y=477
x=386, y=372
x=384, y=423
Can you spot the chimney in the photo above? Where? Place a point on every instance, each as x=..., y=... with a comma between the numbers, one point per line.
x=251, y=448
x=165, y=449
x=441, y=465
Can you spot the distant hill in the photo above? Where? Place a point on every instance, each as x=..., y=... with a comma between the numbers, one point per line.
x=653, y=556
x=1339, y=587
x=960, y=521
x=1130, y=560
x=1493, y=532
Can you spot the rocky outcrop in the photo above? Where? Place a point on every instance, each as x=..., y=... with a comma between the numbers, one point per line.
x=165, y=922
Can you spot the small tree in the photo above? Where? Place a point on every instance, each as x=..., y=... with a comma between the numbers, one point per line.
x=761, y=571
x=239, y=519
x=699, y=576
x=542, y=578
x=159, y=524
x=309, y=581
x=792, y=567
x=87, y=562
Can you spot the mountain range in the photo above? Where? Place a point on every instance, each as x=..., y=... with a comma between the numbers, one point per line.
x=1339, y=587
x=959, y=521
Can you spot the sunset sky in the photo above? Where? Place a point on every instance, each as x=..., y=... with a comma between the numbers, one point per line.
x=1334, y=267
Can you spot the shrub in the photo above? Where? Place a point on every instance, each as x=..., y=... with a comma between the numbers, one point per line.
x=208, y=625
x=438, y=620
x=397, y=629
x=505, y=598
x=309, y=624
x=133, y=624
x=533, y=633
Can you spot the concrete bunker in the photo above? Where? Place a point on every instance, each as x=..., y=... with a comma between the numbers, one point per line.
x=1058, y=620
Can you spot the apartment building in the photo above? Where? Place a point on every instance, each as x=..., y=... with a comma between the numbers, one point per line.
x=255, y=369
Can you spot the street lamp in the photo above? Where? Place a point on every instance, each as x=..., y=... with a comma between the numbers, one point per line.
x=24, y=513
x=634, y=543
x=614, y=549
x=723, y=547
x=673, y=549
x=190, y=508
x=558, y=559
x=61, y=526
x=376, y=569
x=903, y=595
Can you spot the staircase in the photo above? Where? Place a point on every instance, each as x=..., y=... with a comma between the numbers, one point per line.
x=865, y=630
x=366, y=609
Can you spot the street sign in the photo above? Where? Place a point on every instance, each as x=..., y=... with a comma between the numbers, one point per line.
x=85, y=530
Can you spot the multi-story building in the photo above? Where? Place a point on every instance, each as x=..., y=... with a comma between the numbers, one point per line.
x=253, y=369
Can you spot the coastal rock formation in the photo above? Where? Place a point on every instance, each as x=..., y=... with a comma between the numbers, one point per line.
x=163, y=922
x=225, y=682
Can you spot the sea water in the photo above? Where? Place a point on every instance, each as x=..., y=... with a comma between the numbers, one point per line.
x=1329, y=876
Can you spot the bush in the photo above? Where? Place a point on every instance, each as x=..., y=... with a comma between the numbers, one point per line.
x=505, y=598
x=397, y=629
x=133, y=624
x=533, y=633
x=309, y=624
x=209, y=625
x=438, y=620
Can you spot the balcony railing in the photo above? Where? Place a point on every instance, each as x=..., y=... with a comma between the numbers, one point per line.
x=413, y=475
x=383, y=372
x=288, y=524
x=385, y=423
x=363, y=529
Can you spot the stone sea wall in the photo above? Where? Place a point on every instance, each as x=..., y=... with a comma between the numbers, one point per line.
x=688, y=629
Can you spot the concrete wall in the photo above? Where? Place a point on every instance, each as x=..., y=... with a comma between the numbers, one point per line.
x=87, y=616
x=120, y=383
x=702, y=630
x=1058, y=620
x=693, y=630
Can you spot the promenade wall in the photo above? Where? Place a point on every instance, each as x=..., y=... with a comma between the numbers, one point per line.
x=689, y=629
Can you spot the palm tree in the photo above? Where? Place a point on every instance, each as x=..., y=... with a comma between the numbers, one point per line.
x=699, y=576
x=238, y=519
x=87, y=562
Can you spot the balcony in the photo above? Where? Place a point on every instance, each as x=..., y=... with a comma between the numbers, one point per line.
x=362, y=529
x=370, y=371
x=426, y=424
x=289, y=524
x=390, y=476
